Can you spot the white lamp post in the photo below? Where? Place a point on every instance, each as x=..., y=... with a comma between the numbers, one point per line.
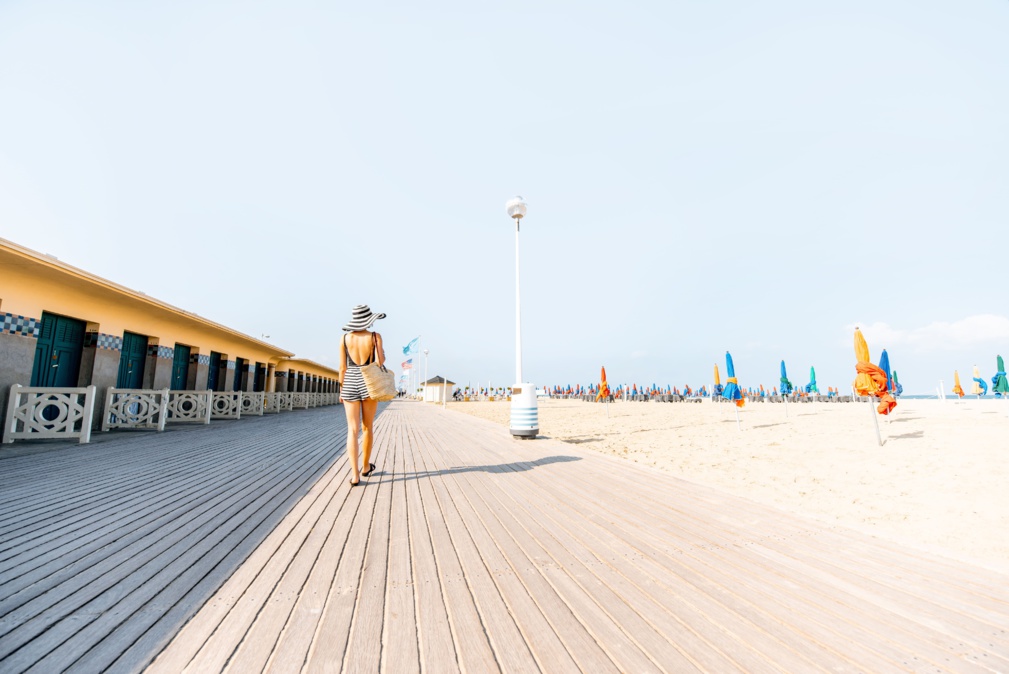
x=525, y=412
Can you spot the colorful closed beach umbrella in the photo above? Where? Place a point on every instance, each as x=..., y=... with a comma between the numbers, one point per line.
x=884, y=365
x=980, y=387
x=957, y=389
x=870, y=379
x=811, y=386
x=604, y=388
x=786, y=386
x=731, y=390
x=897, y=388
x=999, y=385
x=717, y=388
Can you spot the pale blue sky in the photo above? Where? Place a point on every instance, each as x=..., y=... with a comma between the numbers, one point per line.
x=757, y=177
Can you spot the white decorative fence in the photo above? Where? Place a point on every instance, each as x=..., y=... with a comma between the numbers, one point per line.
x=135, y=408
x=253, y=404
x=227, y=405
x=44, y=412
x=277, y=402
x=191, y=407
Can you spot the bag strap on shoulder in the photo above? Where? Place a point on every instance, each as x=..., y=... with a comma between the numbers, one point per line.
x=374, y=349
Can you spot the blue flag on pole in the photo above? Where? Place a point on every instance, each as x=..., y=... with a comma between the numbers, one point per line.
x=411, y=347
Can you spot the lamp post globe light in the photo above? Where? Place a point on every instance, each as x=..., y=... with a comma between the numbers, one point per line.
x=525, y=421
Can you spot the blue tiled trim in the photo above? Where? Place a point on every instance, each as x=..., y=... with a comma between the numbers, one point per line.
x=21, y=325
x=103, y=341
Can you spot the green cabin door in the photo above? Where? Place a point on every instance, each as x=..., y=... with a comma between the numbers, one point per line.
x=58, y=352
x=260, y=382
x=180, y=367
x=215, y=370
x=241, y=365
x=132, y=360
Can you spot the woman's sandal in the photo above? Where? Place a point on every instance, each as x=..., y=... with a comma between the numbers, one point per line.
x=354, y=484
x=371, y=469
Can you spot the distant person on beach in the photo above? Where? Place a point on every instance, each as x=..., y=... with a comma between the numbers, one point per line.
x=359, y=347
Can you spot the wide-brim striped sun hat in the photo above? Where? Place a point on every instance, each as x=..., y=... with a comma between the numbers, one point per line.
x=361, y=318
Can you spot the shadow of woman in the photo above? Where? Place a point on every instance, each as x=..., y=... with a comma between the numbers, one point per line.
x=516, y=466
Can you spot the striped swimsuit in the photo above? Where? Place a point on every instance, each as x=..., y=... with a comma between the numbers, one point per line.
x=353, y=388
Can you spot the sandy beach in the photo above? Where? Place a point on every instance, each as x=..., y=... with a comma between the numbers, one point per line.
x=940, y=482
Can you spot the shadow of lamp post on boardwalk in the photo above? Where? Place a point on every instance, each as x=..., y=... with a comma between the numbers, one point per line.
x=524, y=407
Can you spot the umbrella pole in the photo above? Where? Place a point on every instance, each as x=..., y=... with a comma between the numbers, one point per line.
x=738, y=427
x=875, y=421
x=785, y=398
x=607, y=407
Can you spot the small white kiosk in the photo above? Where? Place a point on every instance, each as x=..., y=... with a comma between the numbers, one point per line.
x=437, y=390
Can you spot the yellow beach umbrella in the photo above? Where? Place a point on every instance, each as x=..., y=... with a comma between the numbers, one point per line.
x=718, y=380
x=957, y=389
x=864, y=384
x=976, y=388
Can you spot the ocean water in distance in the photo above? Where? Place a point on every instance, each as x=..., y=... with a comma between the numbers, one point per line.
x=919, y=396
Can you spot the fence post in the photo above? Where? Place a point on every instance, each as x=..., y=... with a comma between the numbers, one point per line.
x=11, y=423
x=89, y=412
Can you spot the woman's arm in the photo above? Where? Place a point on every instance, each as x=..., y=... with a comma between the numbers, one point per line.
x=343, y=359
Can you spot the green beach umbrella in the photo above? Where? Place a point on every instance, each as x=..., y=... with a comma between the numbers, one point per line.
x=811, y=386
x=999, y=383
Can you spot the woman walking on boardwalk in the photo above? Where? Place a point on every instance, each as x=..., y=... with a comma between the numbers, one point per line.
x=359, y=347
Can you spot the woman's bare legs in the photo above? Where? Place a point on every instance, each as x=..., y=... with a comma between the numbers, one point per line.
x=368, y=408
x=353, y=410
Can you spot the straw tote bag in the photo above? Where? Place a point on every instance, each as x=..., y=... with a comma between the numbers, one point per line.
x=380, y=382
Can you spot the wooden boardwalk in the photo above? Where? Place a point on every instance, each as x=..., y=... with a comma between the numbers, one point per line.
x=471, y=551
x=107, y=549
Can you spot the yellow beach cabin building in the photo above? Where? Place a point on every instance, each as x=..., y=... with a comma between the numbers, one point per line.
x=66, y=328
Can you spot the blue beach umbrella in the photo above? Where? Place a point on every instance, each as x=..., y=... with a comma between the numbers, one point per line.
x=731, y=390
x=884, y=365
x=786, y=386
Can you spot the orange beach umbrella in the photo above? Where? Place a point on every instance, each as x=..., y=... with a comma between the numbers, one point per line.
x=957, y=389
x=871, y=380
x=604, y=388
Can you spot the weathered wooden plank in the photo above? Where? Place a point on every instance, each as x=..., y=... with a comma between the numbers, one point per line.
x=509, y=646
x=400, y=651
x=264, y=567
x=434, y=633
x=166, y=572
x=133, y=529
x=329, y=644
x=364, y=647
x=119, y=503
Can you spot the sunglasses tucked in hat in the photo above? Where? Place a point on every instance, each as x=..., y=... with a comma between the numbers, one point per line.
x=362, y=318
